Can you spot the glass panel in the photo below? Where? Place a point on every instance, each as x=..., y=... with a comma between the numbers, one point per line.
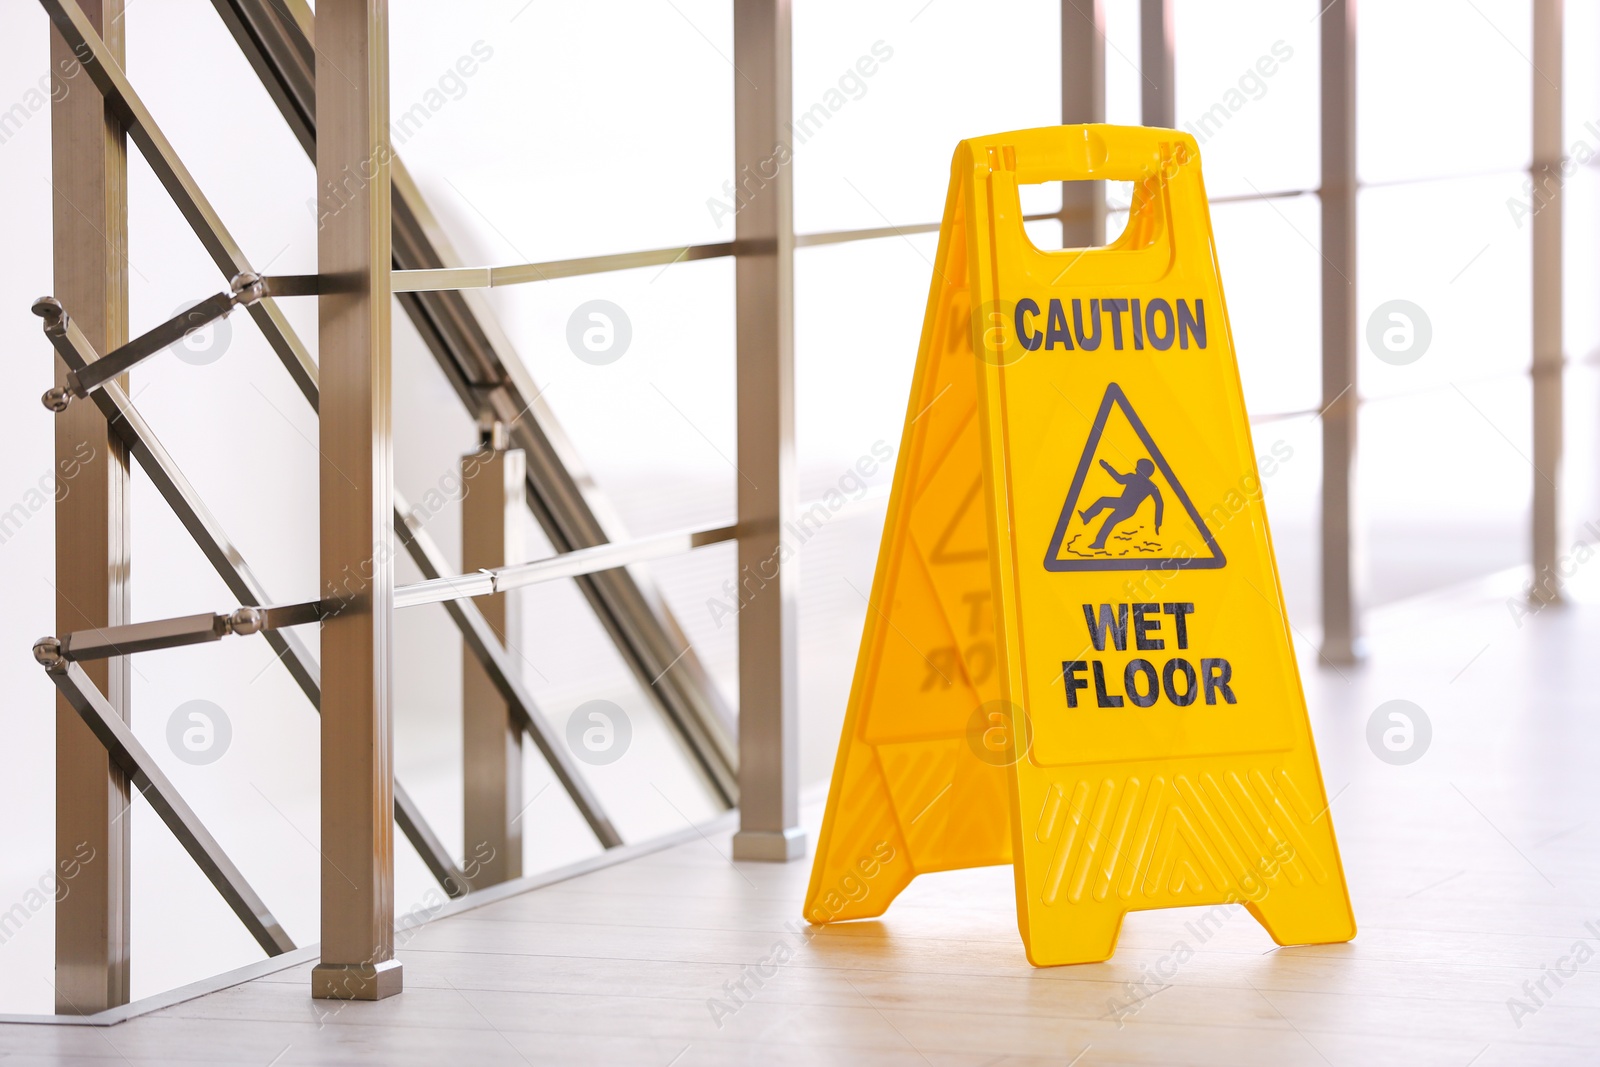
x=1250, y=95
x=699, y=588
x=1443, y=264
x=1446, y=434
x=572, y=135
x=859, y=310
x=1124, y=84
x=221, y=403
x=1581, y=223
x=882, y=155
x=650, y=425
x=1289, y=459
x=1580, y=207
x=1272, y=273
x=855, y=356
x=1580, y=482
x=836, y=570
x=641, y=772
x=29, y=482
x=1445, y=486
x=638, y=366
x=1443, y=90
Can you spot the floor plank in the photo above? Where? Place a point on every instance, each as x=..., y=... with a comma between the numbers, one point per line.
x=1473, y=870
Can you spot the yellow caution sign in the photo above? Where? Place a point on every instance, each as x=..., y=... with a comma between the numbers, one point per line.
x=1076, y=657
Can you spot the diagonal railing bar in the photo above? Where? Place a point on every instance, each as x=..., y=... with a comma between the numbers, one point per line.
x=131, y=638
x=208, y=226
x=135, y=761
x=275, y=38
x=213, y=542
x=460, y=331
x=229, y=563
x=115, y=364
x=408, y=816
x=109, y=78
x=480, y=363
x=244, y=289
x=480, y=637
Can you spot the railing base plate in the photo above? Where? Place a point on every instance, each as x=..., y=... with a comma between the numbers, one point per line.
x=356, y=981
x=770, y=846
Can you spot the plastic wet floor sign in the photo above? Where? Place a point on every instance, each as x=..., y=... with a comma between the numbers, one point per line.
x=1076, y=658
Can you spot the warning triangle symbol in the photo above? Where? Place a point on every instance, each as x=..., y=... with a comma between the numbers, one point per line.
x=978, y=550
x=1126, y=510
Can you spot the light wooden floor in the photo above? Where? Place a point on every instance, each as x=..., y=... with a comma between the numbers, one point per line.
x=1472, y=870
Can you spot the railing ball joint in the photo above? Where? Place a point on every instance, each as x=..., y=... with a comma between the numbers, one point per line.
x=246, y=620
x=54, y=315
x=47, y=651
x=247, y=287
x=57, y=399
x=50, y=310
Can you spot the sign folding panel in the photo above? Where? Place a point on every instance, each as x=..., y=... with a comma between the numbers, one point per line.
x=1076, y=658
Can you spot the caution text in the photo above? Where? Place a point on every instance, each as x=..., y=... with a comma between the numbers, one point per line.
x=1125, y=322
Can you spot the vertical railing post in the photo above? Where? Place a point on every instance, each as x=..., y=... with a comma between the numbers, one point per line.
x=769, y=805
x=356, y=494
x=1548, y=355
x=1083, y=99
x=1158, y=99
x=492, y=516
x=90, y=216
x=1341, y=618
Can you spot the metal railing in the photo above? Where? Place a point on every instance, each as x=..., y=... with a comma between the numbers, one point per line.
x=397, y=247
x=276, y=37
x=481, y=365
x=637, y=620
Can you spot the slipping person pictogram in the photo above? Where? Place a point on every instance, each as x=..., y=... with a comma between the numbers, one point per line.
x=1137, y=488
x=1114, y=531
